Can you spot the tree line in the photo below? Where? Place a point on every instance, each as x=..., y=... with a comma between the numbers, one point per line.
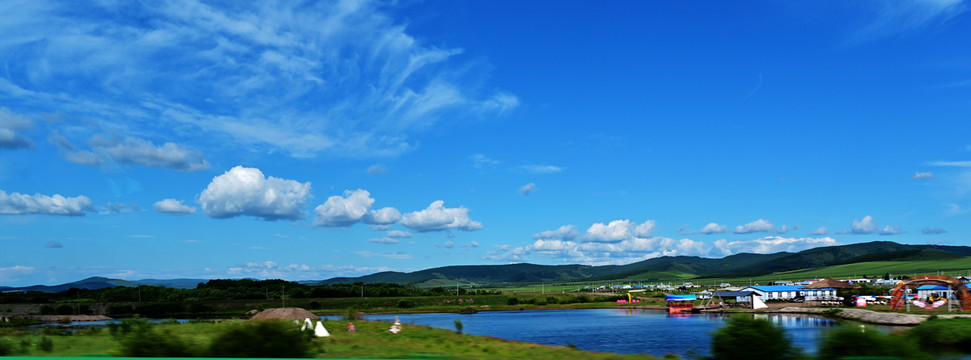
x=243, y=289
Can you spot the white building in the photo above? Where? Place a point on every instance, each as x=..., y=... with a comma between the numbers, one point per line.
x=785, y=292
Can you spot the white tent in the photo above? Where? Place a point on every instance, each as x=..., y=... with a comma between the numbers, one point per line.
x=757, y=302
x=320, y=331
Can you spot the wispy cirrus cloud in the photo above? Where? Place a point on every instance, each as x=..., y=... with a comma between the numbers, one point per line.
x=346, y=78
x=892, y=18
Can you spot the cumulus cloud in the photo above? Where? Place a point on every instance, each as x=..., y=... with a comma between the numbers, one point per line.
x=932, y=231
x=713, y=228
x=565, y=232
x=106, y=152
x=771, y=244
x=173, y=206
x=760, y=225
x=542, y=169
x=614, y=231
x=922, y=175
x=866, y=225
x=527, y=189
x=822, y=230
x=383, y=216
x=437, y=217
x=343, y=211
x=12, y=127
x=22, y=204
x=891, y=230
x=246, y=191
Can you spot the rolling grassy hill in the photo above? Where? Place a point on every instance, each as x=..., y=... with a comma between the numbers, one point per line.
x=873, y=258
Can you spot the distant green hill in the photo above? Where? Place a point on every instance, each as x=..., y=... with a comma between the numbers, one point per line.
x=873, y=255
x=670, y=267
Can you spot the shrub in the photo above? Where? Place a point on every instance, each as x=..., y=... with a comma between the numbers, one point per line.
x=138, y=338
x=943, y=334
x=856, y=341
x=261, y=339
x=51, y=331
x=314, y=305
x=46, y=344
x=406, y=304
x=749, y=338
x=5, y=348
x=458, y=326
x=512, y=301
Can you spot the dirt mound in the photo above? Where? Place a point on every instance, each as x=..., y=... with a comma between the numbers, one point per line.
x=285, y=313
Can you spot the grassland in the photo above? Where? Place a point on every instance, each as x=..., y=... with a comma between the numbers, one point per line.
x=371, y=340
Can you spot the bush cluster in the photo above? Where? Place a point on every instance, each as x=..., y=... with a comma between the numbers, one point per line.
x=261, y=339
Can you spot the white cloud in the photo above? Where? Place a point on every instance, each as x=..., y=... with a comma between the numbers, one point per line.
x=106, y=152
x=614, y=231
x=12, y=127
x=471, y=244
x=527, y=189
x=399, y=234
x=922, y=175
x=891, y=230
x=340, y=78
x=437, y=217
x=173, y=206
x=480, y=161
x=384, y=240
x=342, y=211
x=952, y=209
x=116, y=208
x=377, y=169
x=951, y=163
x=21, y=204
x=760, y=225
x=386, y=254
x=383, y=216
x=10, y=273
x=542, y=169
x=822, y=230
x=864, y=226
x=713, y=228
x=932, y=231
x=771, y=244
x=565, y=232
x=245, y=191
x=897, y=17
x=53, y=245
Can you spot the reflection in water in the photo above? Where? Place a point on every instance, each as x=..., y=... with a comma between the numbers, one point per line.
x=626, y=331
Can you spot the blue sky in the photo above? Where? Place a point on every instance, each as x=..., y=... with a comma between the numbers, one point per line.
x=308, y=140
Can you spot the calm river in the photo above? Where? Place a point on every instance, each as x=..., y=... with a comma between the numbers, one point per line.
x=624, y=331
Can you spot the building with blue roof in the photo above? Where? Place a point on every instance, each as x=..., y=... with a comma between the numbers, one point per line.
x=786, y=292
x=938, y=291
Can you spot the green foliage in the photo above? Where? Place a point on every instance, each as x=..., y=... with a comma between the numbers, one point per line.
x=512, y=301
x=314, y=305
x=138, y=338
x=458, y=326
x=746, y=338
x=51, y=331
x=46, y=344
x=261, y=339
x=943, y=334
x=5, y=347
x=406, y=304
x=860, y=341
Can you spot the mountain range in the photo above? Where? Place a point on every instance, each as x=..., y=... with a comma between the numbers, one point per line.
x=661, y=268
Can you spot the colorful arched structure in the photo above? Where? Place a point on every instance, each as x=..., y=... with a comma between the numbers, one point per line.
x=897, y=302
